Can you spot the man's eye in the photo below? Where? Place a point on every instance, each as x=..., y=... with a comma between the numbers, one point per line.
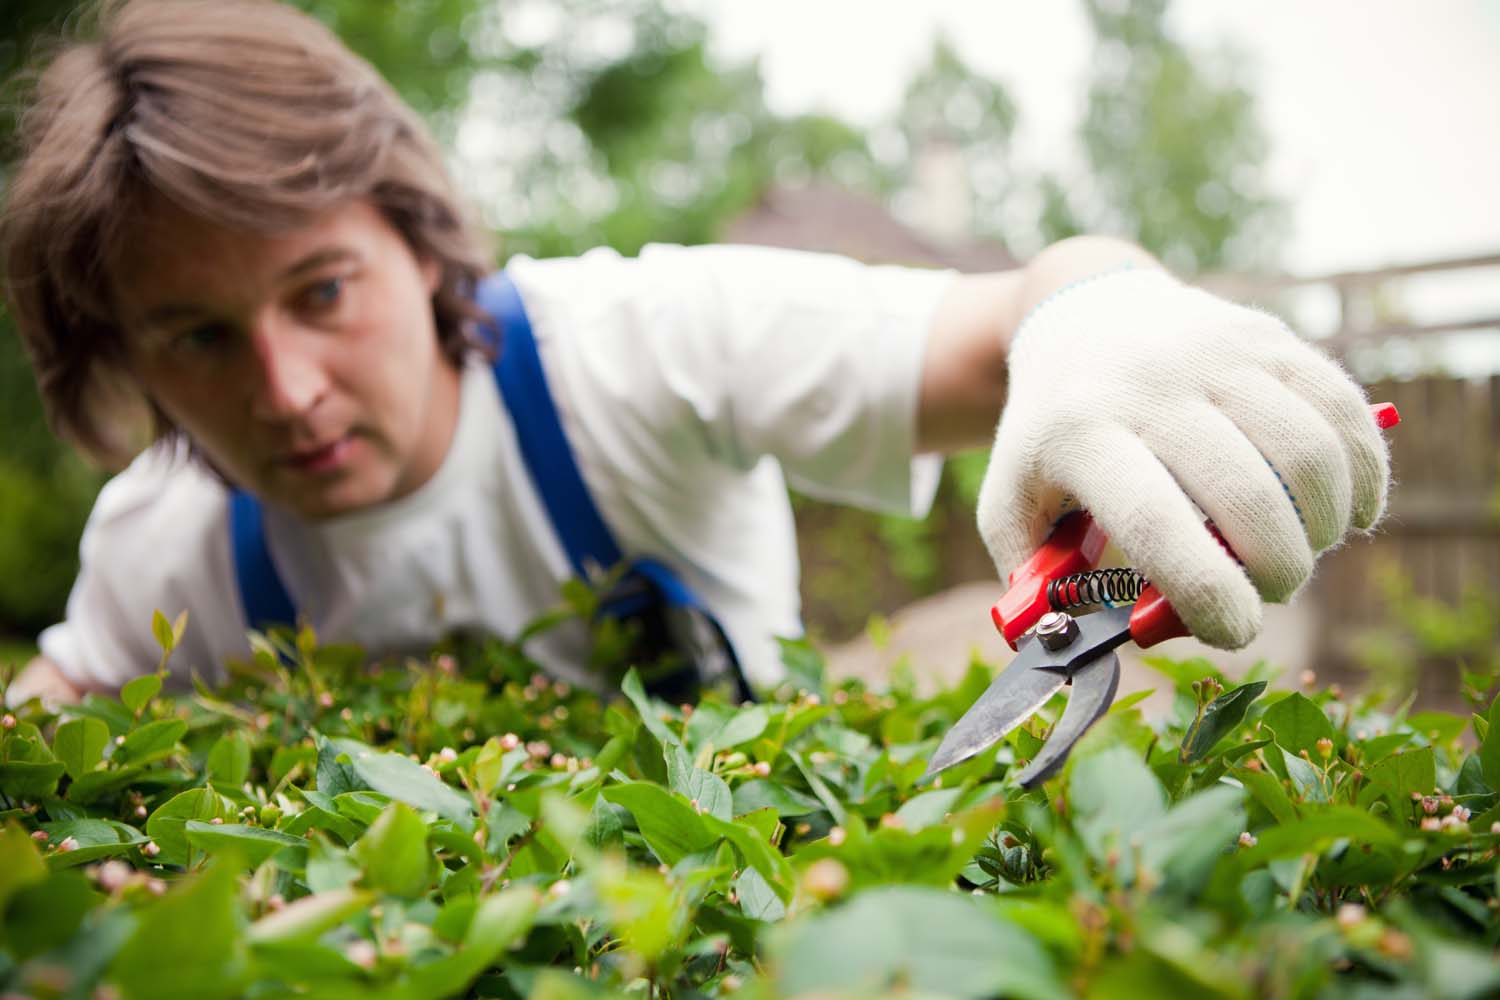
x=325, y=294
x=202, y=338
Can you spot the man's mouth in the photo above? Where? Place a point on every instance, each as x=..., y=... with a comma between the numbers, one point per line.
x=325, y=457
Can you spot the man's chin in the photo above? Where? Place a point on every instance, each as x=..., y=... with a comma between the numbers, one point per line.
x=331, y=497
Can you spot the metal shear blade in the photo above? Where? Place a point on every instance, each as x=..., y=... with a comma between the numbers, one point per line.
x=1034, y=676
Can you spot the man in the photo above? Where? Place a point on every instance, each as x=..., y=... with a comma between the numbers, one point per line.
x=227, y=235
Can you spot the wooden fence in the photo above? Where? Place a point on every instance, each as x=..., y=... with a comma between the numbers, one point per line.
x=1442, y=533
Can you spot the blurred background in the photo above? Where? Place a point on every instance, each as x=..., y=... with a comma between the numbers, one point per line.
x=1336, y=163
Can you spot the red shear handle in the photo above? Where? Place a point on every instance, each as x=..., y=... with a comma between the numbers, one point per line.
x=1074, y=547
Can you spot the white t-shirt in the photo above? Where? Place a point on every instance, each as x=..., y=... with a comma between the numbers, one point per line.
x=692, y=383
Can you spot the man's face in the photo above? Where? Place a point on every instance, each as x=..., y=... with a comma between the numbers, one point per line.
x=305, y=365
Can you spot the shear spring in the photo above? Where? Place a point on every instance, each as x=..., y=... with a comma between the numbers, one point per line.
x=1109, y=587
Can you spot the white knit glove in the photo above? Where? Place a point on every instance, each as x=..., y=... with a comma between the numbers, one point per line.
x=1136, y=397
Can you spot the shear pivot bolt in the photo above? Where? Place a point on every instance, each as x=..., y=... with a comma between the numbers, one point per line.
x=1056, y=630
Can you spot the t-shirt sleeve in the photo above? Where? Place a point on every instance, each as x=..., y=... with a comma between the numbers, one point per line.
x=151, y=543
x=811, y=358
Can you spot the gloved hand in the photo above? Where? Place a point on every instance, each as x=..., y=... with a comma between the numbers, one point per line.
x=1135, y=397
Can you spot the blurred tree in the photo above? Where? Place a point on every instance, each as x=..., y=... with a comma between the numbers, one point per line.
x=607, y=124
x=1174, y=145
x=948, y=109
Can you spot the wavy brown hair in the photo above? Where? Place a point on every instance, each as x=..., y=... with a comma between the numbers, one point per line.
x=246, y=113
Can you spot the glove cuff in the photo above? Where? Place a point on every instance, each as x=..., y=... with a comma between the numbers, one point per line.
x=1108, y=297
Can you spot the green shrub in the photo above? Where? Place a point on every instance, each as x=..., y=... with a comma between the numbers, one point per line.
x=461, y=826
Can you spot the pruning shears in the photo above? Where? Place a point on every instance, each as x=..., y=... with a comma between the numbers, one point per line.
x=1057, y=648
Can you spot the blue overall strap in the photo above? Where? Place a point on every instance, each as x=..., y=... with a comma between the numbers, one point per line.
x=544, y=446
x=554, y=472
x=263, y=596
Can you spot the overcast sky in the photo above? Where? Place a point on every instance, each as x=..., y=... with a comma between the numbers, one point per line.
x=1384, y=116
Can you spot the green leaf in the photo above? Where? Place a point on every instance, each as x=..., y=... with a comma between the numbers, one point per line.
x=20, y=862
x=499, y=922
x=79, y=744
x=329, y=867
x=758, y=900
x=1267, y=790
x=335, y=776
x=394, y=854
x=1489, y=752
x=747, y=724
x=1219, y=719
x=253, y=844
x=805, y=667
x=152, y=741
x=307, y=918
x=1380, y=747
x=1183, y=845
x=405, y=780
x=761, y=794
x=670, y=826
x=632, y=689
x=96, y=784
x=229, y=760
x=757, y=852
x=137, y=693
x=697, y=785
x=1395, y=778
x=1307, y=781
x=1114, y=796
x=1316, y=833
x=1298, y=724
x=96, y=838
x=188, y=945
x=30, y=780
x=167, y=824
x=165, y=637
x=1439, y=727
x=43, y=915
x=929, y=941
x=928, y=808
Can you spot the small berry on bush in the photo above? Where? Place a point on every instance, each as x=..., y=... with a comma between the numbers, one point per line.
x=826, y=879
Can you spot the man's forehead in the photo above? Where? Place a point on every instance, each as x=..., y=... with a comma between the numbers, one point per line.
x=173, y=256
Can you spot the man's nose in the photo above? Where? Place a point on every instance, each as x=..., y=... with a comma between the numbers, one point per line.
x=293, y=374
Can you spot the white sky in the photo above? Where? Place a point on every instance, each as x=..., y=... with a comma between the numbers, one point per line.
x=1384, y=116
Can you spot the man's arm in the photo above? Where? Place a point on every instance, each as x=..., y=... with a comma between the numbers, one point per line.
x=964, y=375
x=43, y=678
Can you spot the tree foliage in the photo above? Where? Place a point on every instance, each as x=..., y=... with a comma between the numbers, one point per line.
x=1174, y=144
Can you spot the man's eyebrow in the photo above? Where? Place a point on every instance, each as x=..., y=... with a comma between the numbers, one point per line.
x=176, y=312
x=318, y=258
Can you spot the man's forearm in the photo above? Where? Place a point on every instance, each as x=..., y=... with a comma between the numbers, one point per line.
x=964, y=376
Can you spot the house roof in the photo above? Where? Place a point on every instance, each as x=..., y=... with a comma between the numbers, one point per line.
x=826, y=218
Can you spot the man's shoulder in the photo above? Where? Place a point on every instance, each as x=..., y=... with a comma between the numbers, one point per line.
x=164, y=501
